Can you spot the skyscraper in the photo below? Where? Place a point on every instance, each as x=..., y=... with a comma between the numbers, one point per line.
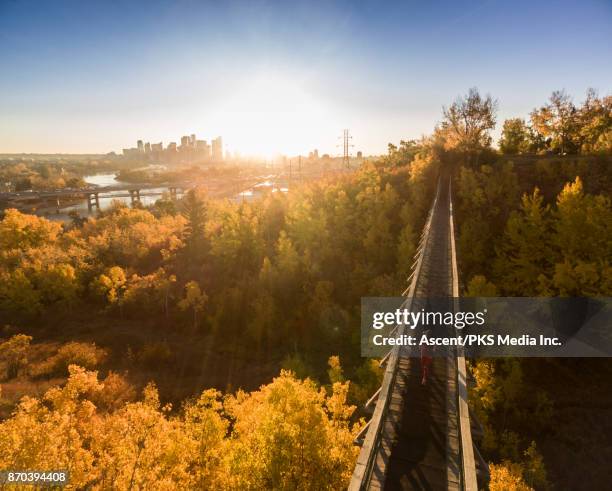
x=140, y=146
x=203, y=149
x=217, y=149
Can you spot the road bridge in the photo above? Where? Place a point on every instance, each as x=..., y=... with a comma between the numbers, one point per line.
x=93, y=193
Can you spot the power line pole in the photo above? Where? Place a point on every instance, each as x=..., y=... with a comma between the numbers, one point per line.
x=346, y=144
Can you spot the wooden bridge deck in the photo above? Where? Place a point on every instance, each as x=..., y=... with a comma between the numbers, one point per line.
x=419, y=436
x=419, y=447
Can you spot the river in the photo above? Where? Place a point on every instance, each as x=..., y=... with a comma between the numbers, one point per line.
x=101, y=180
x=148, y=197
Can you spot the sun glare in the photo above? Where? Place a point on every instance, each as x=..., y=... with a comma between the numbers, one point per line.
x=270, y=115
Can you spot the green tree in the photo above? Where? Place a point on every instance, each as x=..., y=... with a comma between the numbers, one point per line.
x=195, y=211
x=478, y=286
x=525, y=252
x=17, y=293
x=515, y=137
x=57, y=284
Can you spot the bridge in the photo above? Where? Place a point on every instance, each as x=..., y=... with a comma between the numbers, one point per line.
x=92, y=193
x=215, y=188
x=421, y=437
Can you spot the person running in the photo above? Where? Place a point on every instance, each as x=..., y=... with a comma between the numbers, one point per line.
x=426, y=361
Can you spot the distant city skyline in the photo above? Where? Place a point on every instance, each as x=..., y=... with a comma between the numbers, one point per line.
x=281, y=77
x=191, y=149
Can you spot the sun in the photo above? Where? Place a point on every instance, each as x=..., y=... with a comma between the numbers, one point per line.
x=270, y=114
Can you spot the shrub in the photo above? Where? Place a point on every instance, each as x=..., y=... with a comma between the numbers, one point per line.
x=155, y=354
x=295, y=363
x=85, y=355
x=14, y=354
x=115, y=391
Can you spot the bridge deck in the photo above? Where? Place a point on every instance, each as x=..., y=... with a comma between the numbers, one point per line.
x=419, y=447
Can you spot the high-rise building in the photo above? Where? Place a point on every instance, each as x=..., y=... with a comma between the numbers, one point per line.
x=359, y=154
x=185, y=140
x=157, y=147
x=217, y=149
x=147, y=148
x=171, y=147
x=203, y=149
x=140, y=146
x=192, y=140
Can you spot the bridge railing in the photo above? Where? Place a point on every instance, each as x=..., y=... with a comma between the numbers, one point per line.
x=468, y=463
x=362, y=474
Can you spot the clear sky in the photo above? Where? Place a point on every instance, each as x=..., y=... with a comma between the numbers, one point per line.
x=88, y=76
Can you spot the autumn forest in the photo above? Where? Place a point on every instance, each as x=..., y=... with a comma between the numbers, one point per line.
x=201, y=343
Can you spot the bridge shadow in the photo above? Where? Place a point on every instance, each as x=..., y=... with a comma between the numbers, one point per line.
x=418, y=453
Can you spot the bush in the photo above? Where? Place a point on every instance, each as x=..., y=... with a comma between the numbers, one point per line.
x=295, y=363
x=14, y=354
x=115, y=392
x=155, y=354
x=85, y=355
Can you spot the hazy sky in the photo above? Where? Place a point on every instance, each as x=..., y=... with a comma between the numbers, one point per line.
x=89, y=76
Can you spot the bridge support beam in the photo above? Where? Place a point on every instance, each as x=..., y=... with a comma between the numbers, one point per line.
x=92, y=200
x=134, y=196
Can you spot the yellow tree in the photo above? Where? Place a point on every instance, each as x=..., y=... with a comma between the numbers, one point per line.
x=290, y=435
x=21, y=231
x=110, y=285
x=557, y=122
x=584, y=240
x=193, y=300
x=17, y=294
x=51, y=433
